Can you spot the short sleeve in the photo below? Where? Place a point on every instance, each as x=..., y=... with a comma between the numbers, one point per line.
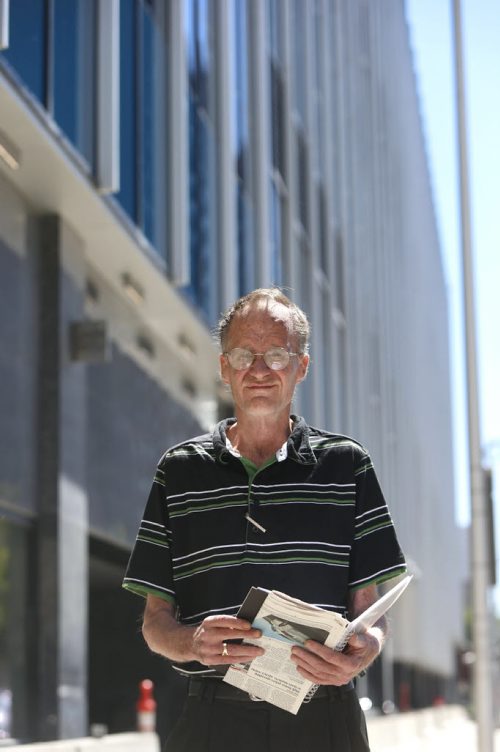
x=149, y=570
x=376, y=555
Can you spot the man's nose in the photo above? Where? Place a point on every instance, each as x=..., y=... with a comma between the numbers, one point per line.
x=259, y=365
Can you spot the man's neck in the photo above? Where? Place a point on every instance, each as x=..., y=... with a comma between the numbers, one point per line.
x=258, y=439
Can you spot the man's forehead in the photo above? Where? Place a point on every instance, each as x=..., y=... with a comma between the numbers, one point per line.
x=262, y=316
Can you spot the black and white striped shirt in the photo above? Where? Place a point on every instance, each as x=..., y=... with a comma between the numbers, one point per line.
x=327, y=525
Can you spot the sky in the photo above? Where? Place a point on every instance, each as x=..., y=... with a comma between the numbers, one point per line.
x=431, y=36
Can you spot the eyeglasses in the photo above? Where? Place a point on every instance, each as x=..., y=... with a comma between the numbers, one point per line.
x=276, y=358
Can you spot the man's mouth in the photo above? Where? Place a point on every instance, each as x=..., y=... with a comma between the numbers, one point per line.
x=260, y=386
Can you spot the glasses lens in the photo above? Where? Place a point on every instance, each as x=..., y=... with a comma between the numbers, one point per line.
x=239, y=358
x=277, y=358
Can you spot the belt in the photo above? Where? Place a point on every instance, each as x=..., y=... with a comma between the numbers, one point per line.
x=217, y=689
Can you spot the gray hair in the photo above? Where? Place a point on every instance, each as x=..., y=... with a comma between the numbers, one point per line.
x=299, y=322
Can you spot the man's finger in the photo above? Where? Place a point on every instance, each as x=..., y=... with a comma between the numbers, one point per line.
x=228, y=622
x=357, y=641
x=234, y=654
x=323, y=661
x=316, y=648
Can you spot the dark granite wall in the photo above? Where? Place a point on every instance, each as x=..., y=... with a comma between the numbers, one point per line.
x=17, y=379
x=131, y=422
x=130, y=419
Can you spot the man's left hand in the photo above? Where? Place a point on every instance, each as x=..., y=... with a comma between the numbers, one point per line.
x=323, y=665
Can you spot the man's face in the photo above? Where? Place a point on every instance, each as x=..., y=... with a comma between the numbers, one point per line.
x=259, y=390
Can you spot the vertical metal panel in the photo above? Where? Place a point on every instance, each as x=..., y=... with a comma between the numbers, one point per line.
x=314, y=295
x=331, y=360
x=290, y=259
x=482, y=616
x=327, y=147
x=4, y=24
x=226, y=166
x=291, y=256
x=260, y=140
x=108, y=97
x=179, y=262
x=340, y=186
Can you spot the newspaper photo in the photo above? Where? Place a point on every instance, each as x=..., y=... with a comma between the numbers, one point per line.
x=284, y=622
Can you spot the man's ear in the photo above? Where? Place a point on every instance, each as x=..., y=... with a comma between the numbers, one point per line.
x=224, y=367
x=303, y=368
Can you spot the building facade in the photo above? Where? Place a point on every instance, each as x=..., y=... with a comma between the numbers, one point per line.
x=158, y=158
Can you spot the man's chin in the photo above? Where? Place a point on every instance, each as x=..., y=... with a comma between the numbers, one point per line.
x=260, y=407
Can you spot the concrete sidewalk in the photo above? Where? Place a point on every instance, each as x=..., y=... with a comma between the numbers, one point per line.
x=143, y=742
x=430, y=730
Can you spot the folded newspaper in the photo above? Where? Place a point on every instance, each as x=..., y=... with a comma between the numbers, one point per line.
x=284, y=622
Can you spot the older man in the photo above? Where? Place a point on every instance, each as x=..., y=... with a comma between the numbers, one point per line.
x=263, y=500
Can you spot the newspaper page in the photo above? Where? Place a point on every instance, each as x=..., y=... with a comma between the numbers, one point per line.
x=284, y=622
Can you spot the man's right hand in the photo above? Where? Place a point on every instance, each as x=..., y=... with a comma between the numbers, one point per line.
x=210, y=636
x=204, y=643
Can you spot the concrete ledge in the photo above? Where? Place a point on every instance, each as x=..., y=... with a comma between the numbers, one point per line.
x=408, y=731
x=143, y=742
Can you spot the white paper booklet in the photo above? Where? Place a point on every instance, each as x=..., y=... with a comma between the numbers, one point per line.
x=284, y=622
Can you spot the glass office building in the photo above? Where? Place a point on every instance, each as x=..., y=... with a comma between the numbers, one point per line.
x=158, y=158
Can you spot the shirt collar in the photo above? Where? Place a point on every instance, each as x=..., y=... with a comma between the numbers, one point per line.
x=281, y=454
x=297, y=447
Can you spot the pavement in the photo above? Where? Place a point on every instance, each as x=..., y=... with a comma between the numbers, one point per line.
x=433, y=730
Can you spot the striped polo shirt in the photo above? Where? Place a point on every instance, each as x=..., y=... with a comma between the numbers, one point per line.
x=327, y=526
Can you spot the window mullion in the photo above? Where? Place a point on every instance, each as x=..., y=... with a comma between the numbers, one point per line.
x=4, y=24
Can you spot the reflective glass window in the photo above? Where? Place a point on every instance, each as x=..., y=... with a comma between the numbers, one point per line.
x=74, y=72
x=305, y=302
x=147, y=123
x=324, y=370
x=276, y=87
x=298, y=9
x=202, y=166
x=278, y=187
x=274, y=30
x=277, y=118
x=246, y=240
x=27, y=52
x=302, y=173
x=71, y=49
x=201, y=214
x=333, y=83
x=322, y=228
x=276, y=236
x=246, y=260
x=242, y=90
x=339, y=271
x=199, y=50
x=340, y=379
x=69, y=39
x=128, y=107
x=143, y=130
x=317, y=94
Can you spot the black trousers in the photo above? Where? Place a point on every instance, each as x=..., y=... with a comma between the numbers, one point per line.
x=333, y=722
